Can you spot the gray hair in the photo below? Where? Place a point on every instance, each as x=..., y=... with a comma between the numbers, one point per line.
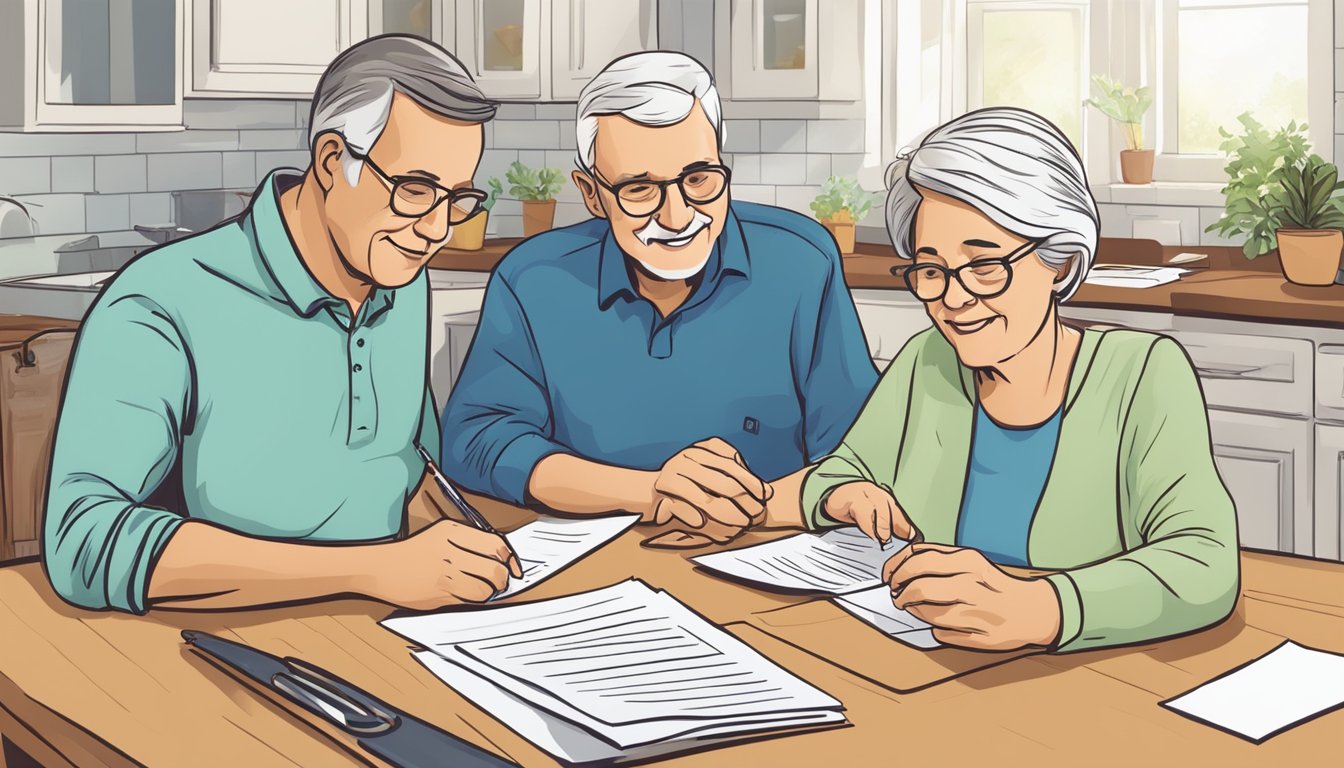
x=1015, y=167
x=354, y=96
x=650, y=88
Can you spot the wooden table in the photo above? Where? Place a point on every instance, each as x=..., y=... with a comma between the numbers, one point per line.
x=91, y=688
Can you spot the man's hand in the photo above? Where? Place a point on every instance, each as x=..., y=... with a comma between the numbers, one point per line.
x=709, y=489
x=971, y=602
x=444, y=564
x=872, y=509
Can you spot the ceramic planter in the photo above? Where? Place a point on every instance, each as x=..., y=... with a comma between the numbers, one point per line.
x=1136, y=166
x=470, y=235
x=841, y=227
x=1310, y=256
x=538, y=216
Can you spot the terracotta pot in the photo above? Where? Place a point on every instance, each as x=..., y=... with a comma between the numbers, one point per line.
x=843, y=232
x=538, y=216
x=1310, y=256
x=470, y=235
x=1136, y=166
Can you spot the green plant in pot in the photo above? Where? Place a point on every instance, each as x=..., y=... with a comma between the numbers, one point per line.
x=1126, y=106
x=1310, y=215
x=470, y=234
x=840, y=204
x=1262, y=166
x=537, y=188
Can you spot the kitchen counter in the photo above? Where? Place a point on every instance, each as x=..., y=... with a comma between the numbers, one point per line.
x=1227, y=286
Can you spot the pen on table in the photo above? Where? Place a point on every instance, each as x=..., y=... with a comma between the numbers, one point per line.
x=475, y=518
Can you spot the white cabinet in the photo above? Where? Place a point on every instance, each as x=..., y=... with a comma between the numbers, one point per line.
x=587, y=34
x=79, y=65
x=500, y=43
x=1329, y=491
x=1249, y=372
x=889, y=320
x=268, y=48
x=455, y=305
x=795, y=49
x=430, y=19
x=1266, y=464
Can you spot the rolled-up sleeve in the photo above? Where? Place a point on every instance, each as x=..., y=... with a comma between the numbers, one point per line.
x=498, y=421
x=836, y=373
x=117, y=438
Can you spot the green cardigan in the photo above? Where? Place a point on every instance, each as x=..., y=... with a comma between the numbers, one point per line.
x=1133, y=516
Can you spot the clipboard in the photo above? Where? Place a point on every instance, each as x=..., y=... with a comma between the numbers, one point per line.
x=828, y=632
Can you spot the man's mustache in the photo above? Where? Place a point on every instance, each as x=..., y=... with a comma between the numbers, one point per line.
x=655, y=231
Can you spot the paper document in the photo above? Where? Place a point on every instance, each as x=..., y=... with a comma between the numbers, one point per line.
x=628, y=664
x=839, y=560
x=548, y=544
x=874, y=606
x=1121, y=276
x=1286, y=687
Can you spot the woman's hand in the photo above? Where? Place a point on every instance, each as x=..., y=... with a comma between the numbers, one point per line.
x=971, y=602
x=871, y=508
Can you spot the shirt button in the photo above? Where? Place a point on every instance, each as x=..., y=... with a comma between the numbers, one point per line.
x=359, y=342
x=358, y=367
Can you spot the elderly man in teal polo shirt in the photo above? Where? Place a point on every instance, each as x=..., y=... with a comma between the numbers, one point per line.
x=243, y=400
x=677, y=355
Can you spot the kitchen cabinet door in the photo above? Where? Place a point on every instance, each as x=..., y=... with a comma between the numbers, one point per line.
x=1266, y=464
x=889, y=319
x=587, y=34
x=1329, y=491
x=430, y=19
x=500, y=42
x=796, y=49
x=268, y=48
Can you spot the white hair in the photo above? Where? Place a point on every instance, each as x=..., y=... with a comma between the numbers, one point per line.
x=650, y=88
x=354, y=96
x=1015, y=167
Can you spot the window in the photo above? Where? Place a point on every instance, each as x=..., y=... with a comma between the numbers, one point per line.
x=1217, y=59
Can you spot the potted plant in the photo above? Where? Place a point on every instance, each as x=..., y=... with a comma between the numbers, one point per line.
x=470, y=234
x=1127, y=106
x=1254, y=198
x=1310, y=215
x=841, y=203
x=537, y=188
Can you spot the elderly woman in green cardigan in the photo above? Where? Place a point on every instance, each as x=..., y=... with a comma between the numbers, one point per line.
x=1004, y=436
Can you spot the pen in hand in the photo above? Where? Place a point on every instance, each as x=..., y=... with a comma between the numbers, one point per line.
x=473, y=517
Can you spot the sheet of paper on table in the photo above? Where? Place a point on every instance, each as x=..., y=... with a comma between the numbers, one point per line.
x=840, y=560
x=548, y=545
x=1284, y=688
x=874, y=606
x=1124, y=276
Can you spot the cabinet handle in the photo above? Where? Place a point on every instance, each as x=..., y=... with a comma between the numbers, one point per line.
x=576, y=32
x=1228, y=371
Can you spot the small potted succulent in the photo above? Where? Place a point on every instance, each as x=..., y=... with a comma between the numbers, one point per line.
x=1310, y=217
x=470, y=234
x=1127, y=106
x=842, y=203
x=537, y=188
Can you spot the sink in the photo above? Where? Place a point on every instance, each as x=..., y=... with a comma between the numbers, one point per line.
x=66, y=296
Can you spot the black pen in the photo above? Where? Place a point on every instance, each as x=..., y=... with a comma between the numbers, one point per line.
x=474, y=517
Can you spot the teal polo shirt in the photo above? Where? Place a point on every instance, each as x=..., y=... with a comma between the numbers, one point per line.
x=216, y=380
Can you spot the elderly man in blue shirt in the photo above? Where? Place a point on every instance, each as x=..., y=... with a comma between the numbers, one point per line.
x=678, y=355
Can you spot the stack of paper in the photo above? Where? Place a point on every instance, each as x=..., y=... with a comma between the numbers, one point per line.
x=548, y=545
x=620, y=673
x=837, y=561
x=1121, y=276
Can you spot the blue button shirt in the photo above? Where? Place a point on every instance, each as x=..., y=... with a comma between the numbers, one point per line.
x=766, y=353
x=1008, y=470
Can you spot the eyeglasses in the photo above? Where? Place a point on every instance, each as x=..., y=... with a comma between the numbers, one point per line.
x=643, y=197
x=415, y=196
x=982, y=278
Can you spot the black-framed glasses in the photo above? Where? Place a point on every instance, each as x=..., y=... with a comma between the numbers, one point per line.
x=643, y=197
x=416, y=196
x=982, y=278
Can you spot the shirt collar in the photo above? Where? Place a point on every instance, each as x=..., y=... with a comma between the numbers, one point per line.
x=729, y=255
x=297, y=285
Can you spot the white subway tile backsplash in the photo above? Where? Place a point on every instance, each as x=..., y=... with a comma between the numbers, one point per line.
x=527, y=134
x=783, y=169
x=233, y=114
x=272, y=139
x=107, y=213
x=847, y=165
x=169, y=172
x=151, y=208
x=25, y=175
x=239, y=170
x=818, y=168
x=754, y=193
x=835, y=136
x=56, y=214
x=516, y=112
x=741, y=136
x=565, y=113
x=72, y=174
x=119, y=173
x=746, y=169
x=796, y=198
x=532, y=158
x=783, y=136
x=270, y=160
x=187, y=141
x=51, y=144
